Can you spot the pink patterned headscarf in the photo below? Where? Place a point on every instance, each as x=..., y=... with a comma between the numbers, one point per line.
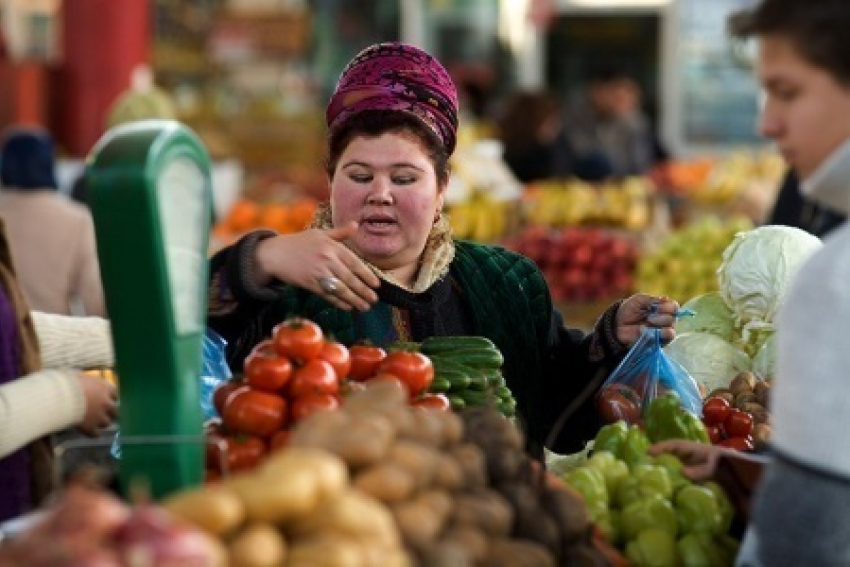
x=397, y=76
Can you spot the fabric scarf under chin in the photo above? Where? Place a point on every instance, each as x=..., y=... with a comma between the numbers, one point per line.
x=14, y=468
x=433, y=263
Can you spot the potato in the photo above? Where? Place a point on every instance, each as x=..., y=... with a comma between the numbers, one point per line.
x=327, y=551
x=762, y=390
x=517, y=553
x=452, y=428
x=471, y=461
x=292, y=492
x=567, y=508
x=420, y=461
x=216, y=509
x=329, y=470
x=388, y=482
x=761, y=434
x=745, y=398
x=445, y=553
x=469, y=538
x=485, y=509
x=377, y=396
x=448, y=474
x=743, y=382
x=354, y=515
x=258, y=545
x=760, y=415
x=418, y=523
x=427, y=428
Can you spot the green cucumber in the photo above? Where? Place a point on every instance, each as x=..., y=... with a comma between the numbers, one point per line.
x=479, y=358
x=475, y=398
x=494, y=378
x=504, y=393
x=457, y=380
x=440, y=384
x=457, y=402
x=477, y=380
x=434, y=345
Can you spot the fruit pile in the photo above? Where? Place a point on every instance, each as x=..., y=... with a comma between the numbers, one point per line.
x=580, y=264
x=467, y=370
x=292, y=375
x=686, y=263
x=647, y=507
x=560, y=203
x=737, y=417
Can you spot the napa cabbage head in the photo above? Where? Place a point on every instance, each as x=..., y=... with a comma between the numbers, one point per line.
x=711, y=315
x=757, y=269
x=710, y=360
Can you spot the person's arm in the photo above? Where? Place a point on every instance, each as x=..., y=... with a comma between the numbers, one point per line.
x=73, y=342
x=36, y=405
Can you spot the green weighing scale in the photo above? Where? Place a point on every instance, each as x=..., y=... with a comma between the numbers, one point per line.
x=151, y=202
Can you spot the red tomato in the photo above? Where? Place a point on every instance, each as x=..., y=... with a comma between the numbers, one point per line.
x=222, y=392
x=299, y=339
x=738, y=424
x=309, y=404
x=254, y=412
x=618, y=401
x=414, y=369
x=240, y=452
x=337, y=356
x=738, y=443
x=365, y=360
x=269, y=373
x=280, y=439
x=715, y=434
x=432, y=401
x=315, y=377
x=715, y=410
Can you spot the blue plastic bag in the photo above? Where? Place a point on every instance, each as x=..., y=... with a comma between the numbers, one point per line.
x=645, y=373
x=214, y=372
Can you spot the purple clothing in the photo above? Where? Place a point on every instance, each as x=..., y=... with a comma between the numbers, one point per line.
x=397, y=76
x=15, y=493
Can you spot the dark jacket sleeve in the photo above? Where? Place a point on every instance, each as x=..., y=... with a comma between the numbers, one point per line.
x=237, y=309
x=575, y=368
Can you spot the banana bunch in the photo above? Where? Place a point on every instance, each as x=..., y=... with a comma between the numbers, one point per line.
x=566, y=203
x=480, y=219
x=467, y=371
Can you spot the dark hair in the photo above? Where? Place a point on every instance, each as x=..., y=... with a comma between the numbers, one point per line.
x=524, y=115
x=818, y=29
x=373, y=123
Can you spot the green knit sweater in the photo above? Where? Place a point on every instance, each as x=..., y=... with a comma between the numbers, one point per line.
x=492, y=292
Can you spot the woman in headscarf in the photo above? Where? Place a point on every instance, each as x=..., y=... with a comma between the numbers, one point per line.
x=379, y=262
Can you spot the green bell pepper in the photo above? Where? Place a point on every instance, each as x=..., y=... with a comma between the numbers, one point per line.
x=653, y=511
x=666, y=419
x=634, y=448
x=613, y=469
x=727, y=511
x=704, y=550
x=590, y=483
x=697, y=510
x=653, y=479
x=674, y=468
x=652, y=547
x=610, y=438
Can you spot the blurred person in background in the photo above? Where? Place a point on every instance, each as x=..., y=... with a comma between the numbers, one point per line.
x=531, y=131
x=792, y=208
x=40, y=393
x=52, y=238
x=605, y=124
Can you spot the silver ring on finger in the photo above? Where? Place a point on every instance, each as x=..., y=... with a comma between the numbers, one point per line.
x=329, y=284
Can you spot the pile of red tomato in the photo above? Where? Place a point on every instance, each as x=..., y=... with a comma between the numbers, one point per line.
x=727, y=426
x=294, y=374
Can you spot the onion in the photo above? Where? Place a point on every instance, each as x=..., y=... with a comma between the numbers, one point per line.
x=151, y=538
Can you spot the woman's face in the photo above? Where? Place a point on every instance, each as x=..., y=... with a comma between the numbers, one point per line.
x=806, y=111
x=389, y=186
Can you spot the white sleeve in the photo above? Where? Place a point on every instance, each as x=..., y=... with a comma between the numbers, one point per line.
x=38, y=404
x=73, y=342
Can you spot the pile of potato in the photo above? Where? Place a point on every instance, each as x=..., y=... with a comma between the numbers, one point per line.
x=380, y=483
